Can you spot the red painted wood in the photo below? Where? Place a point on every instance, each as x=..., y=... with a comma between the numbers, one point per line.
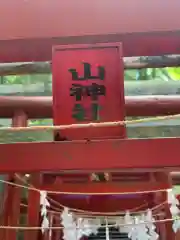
x=41, y=107
x=70, y=18
x=152, y=44
x=58, y=234
x=98, y=55
x=152, y=105
x=104, y=204
x=51, y=224
x=19, y=119
x=169, y=230
x=103, y=188
x=14, y=193
x=158, y=199
x=8, y=194
x=33, y=210
x=82, y=155
x=69, y=22
x=177, y=235
x=14, y=207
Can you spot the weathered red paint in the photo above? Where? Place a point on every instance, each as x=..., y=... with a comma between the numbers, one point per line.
x=155, y=43
x=72, y=22
x=41, y=107
x=69, y=18
x=33, y=218
x=69, y=22
x=105, y=203
x=118, y=155
x=108, y=57
x=61, y=177
x=12, y=194
x=104, y=188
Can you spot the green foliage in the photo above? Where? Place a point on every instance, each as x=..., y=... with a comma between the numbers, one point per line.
x=15, y=79
x=165, y=74
x=174, y=73
x=42, y=122
x=26, y=79
x=142, y=74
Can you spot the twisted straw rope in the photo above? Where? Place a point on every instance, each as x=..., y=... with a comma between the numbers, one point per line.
x=89, y=125
x=110, y=225
x=134, y=210
x=56, y=228
x=86, y=125
x=84, y=193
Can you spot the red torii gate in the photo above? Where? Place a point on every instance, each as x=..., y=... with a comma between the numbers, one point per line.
x=25, y=42
x=101, y=143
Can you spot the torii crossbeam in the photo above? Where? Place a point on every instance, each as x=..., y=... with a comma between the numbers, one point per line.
x=72, y=22
x=117, y=155
x=93, y=148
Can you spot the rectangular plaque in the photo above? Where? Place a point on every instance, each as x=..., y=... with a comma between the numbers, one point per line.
x=88, y=87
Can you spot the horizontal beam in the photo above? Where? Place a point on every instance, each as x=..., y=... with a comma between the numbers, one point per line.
x=26, y=40
x=40, y=49
x=45, y=67
x=105, y=203
x=58, y=23
x=101, y=203
x=104, y=188
x=49, y=178
x=41, y=107
x=24, y=68
x=115, y=155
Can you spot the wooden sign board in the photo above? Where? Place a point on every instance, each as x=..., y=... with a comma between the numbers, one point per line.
x=88, y=87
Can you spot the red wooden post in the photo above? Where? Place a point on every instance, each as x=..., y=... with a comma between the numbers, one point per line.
x=57, y=233
x=51, y=219
x=33, y=212
x=12, y=206
x=7, y=195
x=170, y=233
x=166, y=231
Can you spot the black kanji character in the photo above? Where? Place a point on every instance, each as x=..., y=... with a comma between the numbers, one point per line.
x=87, y=73
x=79, y=113
x=95, y=90
x=77, y=90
